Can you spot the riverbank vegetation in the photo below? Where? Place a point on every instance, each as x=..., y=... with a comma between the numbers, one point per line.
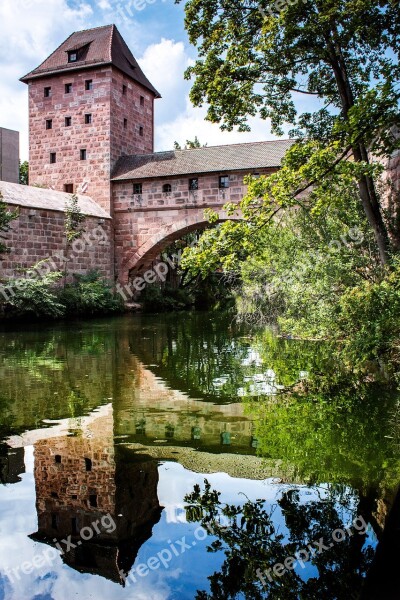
x=45, y=297
x=318, y=247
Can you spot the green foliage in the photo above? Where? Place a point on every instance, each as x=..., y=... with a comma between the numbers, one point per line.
x=255, y=61
x=73, y=219
x=189, y=144
x=369, y=319
x=24, y=172
x=252, y=540
x=90, y=295
x=41, y=296
x=35, y=296
x=6, y=217
x=258, y=60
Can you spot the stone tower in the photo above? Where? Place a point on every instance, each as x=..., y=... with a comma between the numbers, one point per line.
x=89, y=104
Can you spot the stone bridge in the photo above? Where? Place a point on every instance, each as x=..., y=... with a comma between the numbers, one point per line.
x=147, y=223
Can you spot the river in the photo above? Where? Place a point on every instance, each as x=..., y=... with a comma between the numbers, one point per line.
x=187, y=456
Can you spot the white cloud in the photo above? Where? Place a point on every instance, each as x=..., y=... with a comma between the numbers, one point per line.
x=29, y=31
x=176, y=118
x=104, y=4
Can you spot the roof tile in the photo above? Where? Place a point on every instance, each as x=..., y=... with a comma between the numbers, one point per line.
x=235, y=157
x=35, y=197
x=105, y=46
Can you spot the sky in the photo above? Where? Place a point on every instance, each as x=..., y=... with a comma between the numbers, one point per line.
x=30, y=30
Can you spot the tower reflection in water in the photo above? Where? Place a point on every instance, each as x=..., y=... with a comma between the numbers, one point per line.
x=85, y=484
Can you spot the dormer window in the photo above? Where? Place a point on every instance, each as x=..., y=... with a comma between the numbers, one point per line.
x=72, y=56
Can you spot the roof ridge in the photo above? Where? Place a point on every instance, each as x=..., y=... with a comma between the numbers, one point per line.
x=113, y=29
x=127, y=156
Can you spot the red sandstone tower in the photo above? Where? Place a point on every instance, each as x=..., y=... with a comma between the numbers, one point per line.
x=89, y=104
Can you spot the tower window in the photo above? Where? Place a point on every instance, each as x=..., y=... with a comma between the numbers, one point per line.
x=125, y=123
x=223, y=182
x=88, y=119
x=83, y=154
x=49, y=124
x=68, y=121
x=69, y=188
x=124, y=89
x=72, y=56
x=167, y=188
x=57, y=459
x=88, y=464
x=68, y=88
x=193, y=184
x=47, y=92
x=141, y=131
x=88, y=84
x=53, y=160
x=137, y=188
x=93, y=500
x=141, y=100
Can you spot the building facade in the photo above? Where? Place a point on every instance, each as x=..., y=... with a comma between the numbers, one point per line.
x=91, y=128
x=9, y=155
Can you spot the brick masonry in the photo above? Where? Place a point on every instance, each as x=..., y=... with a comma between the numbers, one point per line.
x=117, y=114
x=146, y=224
x=38, y=234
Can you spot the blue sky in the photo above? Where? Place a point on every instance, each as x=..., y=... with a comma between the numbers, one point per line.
x=31, y=29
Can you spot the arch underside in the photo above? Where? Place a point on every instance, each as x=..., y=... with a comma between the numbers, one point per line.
x=143, y=257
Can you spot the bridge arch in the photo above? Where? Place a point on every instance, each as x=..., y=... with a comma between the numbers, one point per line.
x=148, y=251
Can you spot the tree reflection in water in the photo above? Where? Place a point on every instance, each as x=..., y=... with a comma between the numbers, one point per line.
x=257, y=536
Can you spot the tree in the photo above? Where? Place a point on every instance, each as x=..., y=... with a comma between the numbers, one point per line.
x=253, y=541
x=257, y=57
x=24, y=173
x=190, y=144
x=6, y=216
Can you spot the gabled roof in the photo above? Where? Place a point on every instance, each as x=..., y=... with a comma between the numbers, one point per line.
x=235, y=157
x=35, y=197
x=99, y=47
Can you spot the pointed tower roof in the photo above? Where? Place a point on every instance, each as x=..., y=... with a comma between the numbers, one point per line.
x=92, y=48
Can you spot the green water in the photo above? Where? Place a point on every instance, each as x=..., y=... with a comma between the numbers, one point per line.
x=128, y=417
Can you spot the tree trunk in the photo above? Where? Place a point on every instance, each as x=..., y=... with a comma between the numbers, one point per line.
x=366, y=185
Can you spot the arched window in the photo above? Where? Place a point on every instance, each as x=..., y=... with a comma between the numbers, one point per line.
x=167, y=188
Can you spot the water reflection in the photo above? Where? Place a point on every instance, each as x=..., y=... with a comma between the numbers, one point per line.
x=127, y=417
x=87, y=487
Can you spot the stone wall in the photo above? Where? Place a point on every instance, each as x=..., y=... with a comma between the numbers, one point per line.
x=147, y=223
x=136, y=106
x=105, y=138
x=38, y=235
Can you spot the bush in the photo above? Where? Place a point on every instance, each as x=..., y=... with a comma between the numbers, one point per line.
x=369, y=319
x=90, y=295
x=34, y=297
x=42, y=297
